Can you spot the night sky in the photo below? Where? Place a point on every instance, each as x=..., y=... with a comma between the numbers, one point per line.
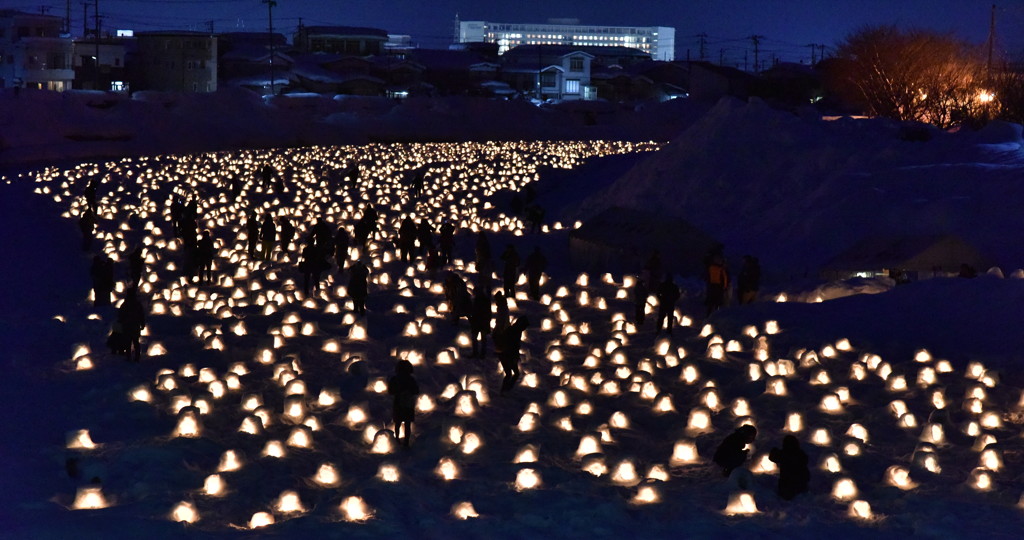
x=788, y=26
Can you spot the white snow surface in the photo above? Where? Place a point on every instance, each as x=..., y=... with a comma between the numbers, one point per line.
x=621, y=372
x=796, y=177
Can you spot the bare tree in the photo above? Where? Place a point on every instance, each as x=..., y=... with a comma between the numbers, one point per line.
x=914, y=75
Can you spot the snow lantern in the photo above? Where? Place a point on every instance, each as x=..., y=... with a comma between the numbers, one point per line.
x=527, y=422
x=684, y=452
x=383, y=442
x=647, y=494
x=89, y=498
x=353, y=508
x=624, y=474
x=699, y=420
x=79, y=440
x=388, y=472
x=898, y=476
x=229, y=461
x=185, y=512
x=527, y=479
x=831, y=404
x=526, y=454
x=794, y=423
x=213, y=485
x=300, y=437
x=273, y=449
x=464, y=510
x=289, y=503
x=776, y=386
x=261, y=519
x=447, y=469
x=188, y=423
x=741, y=503
x=980, y=479
x=844, y=489
x=327, y=476
x=860, y=509
x=933, y=433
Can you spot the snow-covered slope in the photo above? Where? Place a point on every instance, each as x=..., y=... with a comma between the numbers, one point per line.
x=618, y=424
x=797, y=191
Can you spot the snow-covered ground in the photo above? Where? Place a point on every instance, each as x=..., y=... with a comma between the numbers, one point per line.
x=609, y=420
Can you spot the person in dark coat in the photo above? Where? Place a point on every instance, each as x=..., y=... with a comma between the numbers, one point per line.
x=287, y=233
x=252, y=233
x=749, y=280
x=717, y=278
x=501, y=316
x=510, y=273
x=731, y=453
x=405, y=390
x=536, y=263
x=268, y=237
x=136, y=265
x=654, y=268
x=482, y=250
x=425, y=237
x=102, y=273
x=406, y=238
x=312, y=266
x=480, y=322
x=456, y=293
x=507, y=344
x=204, y=257
x=668, y=295
x=132, y=318
x=357, y=286
x=87, y=224
x=793, y=472
x=341, y=248
x=447, y=241
x=640, y=294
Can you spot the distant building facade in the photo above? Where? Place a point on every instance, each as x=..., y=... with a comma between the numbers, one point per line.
x=33, y=52
x=346, y=40
x=657, y=41
x=549, y=72
x=176, y=61
x=106, y=72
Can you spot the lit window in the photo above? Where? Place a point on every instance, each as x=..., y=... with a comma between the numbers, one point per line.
x=572, y=86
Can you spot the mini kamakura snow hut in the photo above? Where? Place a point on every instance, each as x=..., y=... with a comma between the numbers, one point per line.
x=918, y=257
x=621, y=240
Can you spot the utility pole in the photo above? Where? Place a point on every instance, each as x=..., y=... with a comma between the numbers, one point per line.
x=812, y=46
x=703, y=45
x=270, y=35
x=756, y=39
x=96, y=21
x=43, y=10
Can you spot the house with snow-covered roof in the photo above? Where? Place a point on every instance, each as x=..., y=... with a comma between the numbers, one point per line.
x=557, y=72
x=176, y=61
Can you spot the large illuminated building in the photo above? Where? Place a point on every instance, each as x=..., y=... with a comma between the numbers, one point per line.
x=657, y=41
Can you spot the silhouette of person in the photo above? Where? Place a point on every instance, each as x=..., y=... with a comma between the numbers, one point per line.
x=507, y=344
x=357, y=286
x=482, y=250
x=287, y=233
x=204, y=257
x=402, y=385
x=749, y=280
x=793, y=472
x=136, y=265
x=132, y=318
x=312, y=266
x=731, y=453
x=341, y=248
x=407, y=238
x=511, y=270
x=87, y=224
x=268, y=237
x=535, y=266
x=425, y=237
x=640, y=294
x=252, y=233
x=480, y=322
x=668, y=295
x=717, y=278
x=102, y=273
x=447, y=241
x=501, y=316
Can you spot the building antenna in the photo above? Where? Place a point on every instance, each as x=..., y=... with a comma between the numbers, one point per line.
x=756, y=39
x=703, y=45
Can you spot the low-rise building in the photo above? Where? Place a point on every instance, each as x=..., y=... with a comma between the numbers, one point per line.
x=558, y=72
x=33, y=52
x=180, y=61
x=346, y=40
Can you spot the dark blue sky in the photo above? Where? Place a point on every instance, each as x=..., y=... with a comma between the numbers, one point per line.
x=788, y=25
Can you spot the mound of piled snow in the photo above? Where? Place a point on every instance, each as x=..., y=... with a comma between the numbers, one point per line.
x=796, y=191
